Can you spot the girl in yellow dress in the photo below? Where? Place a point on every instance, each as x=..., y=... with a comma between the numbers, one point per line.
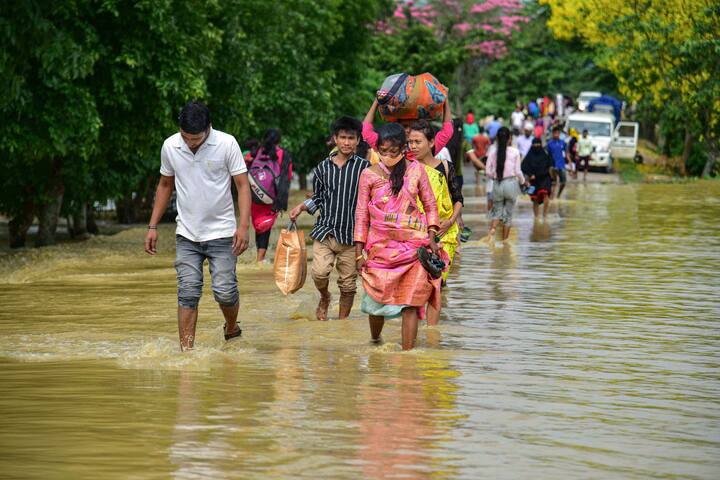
x=449, y=198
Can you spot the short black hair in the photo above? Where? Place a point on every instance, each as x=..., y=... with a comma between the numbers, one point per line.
x=347, y=124
x=556, y=129
x=194, y=117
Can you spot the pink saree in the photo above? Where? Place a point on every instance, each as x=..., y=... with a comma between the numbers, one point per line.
x=392, y=229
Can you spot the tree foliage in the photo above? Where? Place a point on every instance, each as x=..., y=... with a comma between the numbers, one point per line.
x=662, y=51
x=537, y=64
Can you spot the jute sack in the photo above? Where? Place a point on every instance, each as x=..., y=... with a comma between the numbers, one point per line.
x=290, y=260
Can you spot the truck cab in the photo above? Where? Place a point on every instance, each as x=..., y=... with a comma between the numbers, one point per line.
x=600, y=127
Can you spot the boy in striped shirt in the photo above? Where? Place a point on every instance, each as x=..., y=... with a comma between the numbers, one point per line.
x=335, y=189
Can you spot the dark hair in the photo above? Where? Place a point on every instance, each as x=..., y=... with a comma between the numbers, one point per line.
x=270, y=140
x=455, y=144
x=555, y=129
x=194, y=117
x=394, y=134
x=502, y=137
x=536, y=141
x=585, y=130
x=251, y=145
x=347, y=124
x=427, y=129
x=362, y=149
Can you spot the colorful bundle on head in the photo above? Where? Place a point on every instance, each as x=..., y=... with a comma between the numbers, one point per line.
x=411, y=97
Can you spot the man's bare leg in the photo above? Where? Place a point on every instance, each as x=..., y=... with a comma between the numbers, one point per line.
x=261, y=254
x=376, y=326
x=536, y=210
x=409, y=327
x=231, y=315
x=187, y=320
x=546, y=207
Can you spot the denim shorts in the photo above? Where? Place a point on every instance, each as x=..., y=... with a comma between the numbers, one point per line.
x=189, y=259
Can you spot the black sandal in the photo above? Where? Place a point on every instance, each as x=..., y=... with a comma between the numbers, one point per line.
x=236, y=333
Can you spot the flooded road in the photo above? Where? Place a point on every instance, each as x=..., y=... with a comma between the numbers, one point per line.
x=587, y=348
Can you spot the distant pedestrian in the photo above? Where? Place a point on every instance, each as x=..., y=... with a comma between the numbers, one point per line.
x=493, y=127
x=524, y=141
x=536, y=166
x=558, y=151
x=270, y=173
x=470, y=127
x=503, y=167
x=517, y=118
x=584, y=150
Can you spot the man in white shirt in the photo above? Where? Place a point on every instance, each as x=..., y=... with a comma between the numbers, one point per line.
x=199, y=162
x=524, y=141
x=516, y=119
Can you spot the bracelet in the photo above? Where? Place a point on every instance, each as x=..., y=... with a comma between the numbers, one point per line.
x=359, y=257
x=152, y=227
x=433, y=230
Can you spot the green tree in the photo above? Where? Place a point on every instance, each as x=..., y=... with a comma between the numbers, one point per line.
x=663, y=51
x=50, y=120
x=292, y=69
x=538, y=64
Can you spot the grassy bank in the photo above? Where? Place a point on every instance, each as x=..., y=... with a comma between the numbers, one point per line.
x=631, y=172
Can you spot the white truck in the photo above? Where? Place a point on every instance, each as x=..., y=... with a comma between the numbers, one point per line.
x=609, y=140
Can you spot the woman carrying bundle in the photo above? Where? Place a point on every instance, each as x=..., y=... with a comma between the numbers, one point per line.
x=389, y=230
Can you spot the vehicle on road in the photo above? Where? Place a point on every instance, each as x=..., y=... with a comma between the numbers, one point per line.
x=625, y=141
x=609, y=140
x=584, y=98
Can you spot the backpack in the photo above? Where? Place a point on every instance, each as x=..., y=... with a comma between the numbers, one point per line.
x=264, y=176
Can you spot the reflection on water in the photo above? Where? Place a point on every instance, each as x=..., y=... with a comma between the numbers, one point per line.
x=588, y=346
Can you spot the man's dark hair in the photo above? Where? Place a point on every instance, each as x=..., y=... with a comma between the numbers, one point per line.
x=347, y=124
x=556, y=129
x=194, y=117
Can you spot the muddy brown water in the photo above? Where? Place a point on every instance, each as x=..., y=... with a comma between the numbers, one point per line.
x=588, y=347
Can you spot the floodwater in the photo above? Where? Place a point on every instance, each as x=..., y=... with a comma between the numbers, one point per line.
x=589, y=347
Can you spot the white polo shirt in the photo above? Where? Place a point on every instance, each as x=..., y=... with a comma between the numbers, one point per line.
x=202, y=182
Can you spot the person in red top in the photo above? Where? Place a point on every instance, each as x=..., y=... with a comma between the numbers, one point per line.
x=263, y=216
x=478, y=154
x=441, y=138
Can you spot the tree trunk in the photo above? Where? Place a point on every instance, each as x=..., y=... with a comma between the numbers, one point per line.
x=19, y=225
x=302, y=181
x=687, y=150
x=48, y=214
x=79, y=229
x=712, y=156
x=91, y=225
x=125, y=211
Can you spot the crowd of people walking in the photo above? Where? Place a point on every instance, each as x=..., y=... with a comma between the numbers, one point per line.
x=388, y=203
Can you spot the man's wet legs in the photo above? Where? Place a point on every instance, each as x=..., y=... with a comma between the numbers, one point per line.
x=187, y=321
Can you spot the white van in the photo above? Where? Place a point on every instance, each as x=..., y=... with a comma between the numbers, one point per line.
x=608, y=139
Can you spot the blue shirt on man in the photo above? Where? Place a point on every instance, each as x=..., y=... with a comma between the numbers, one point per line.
x=557, y=149
x=492, y=129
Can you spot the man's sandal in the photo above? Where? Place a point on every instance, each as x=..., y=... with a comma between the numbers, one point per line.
x=236, y=333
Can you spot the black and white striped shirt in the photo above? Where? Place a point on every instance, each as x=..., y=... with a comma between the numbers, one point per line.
x=335, y=195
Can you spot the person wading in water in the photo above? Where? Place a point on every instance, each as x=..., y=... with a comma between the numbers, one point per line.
x=200, y=162
x=389, y=230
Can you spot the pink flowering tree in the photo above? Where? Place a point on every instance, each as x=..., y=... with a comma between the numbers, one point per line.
x=453, y=39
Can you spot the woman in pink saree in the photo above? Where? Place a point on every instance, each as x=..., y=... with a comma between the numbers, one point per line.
x=389, y=229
